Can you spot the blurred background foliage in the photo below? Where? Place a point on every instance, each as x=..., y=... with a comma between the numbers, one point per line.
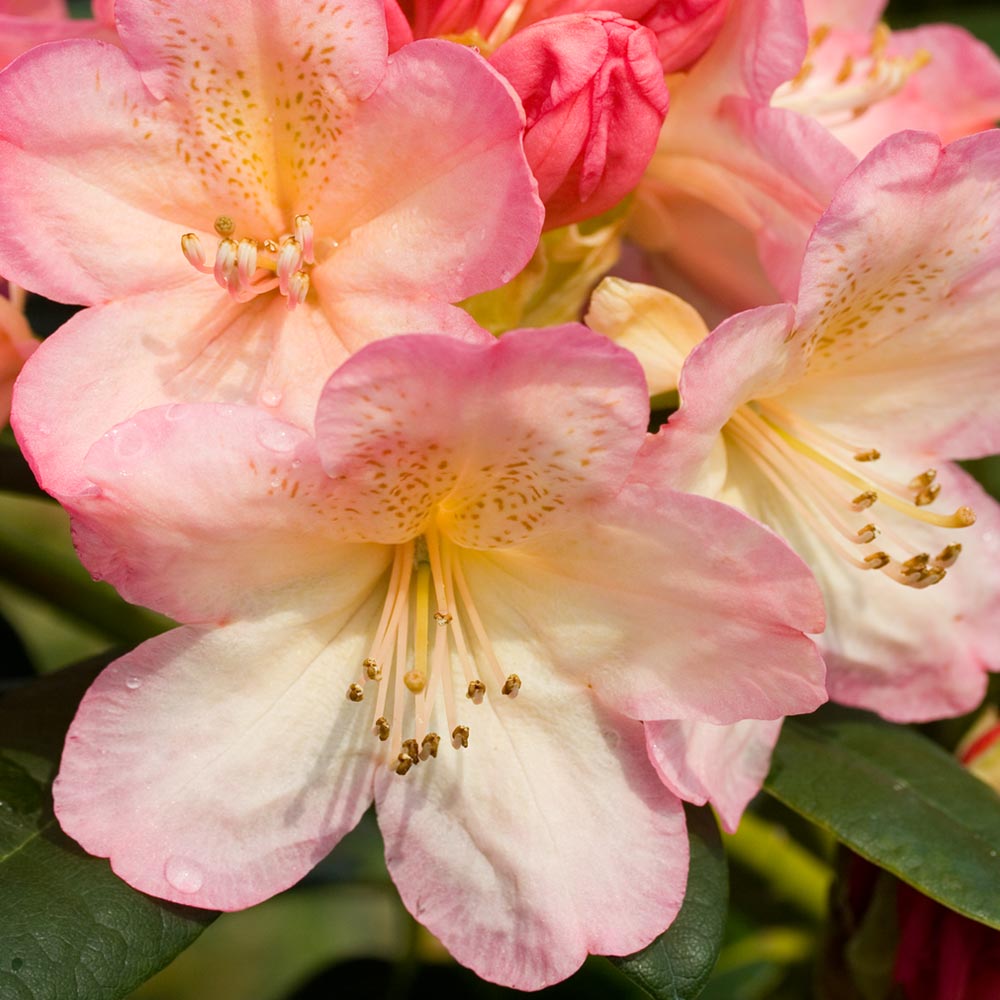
x=343, y=930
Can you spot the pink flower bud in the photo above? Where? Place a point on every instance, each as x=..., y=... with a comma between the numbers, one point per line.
x=593, y=92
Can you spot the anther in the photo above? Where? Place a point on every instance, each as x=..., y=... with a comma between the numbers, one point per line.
x=948, y=555
x=382, y=728
x=460, y=737
x=246, y=260
x=872, y=455
x=270, y=246
x=916, y=565
x=442, y=617
x=355, y=693
x=928, y=578
x=476, y=692
x=372, y=670
x=412, y=750
x=864, y=500
x=511, y=686
x=429, y=746
x=867, y=534
x=225, y=261
x=289, y=259
x=298, y=289
x=877, y=560
x=403, y=763
x=928, y=495
x=193, y=250
x=304, y=233
x=415, y=681
x=922, y=481
x=224, y=225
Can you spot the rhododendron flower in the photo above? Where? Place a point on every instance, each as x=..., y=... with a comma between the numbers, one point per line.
x=829, y=421
x=453, y=600
x=769, y=121
x=335, y=194
x=16, y=346
x=594, y=96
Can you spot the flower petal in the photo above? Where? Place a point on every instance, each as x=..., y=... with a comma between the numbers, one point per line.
x=216, y=768
x=206, y=512
x=547, y=838
x=433, y=194
x=900, y=298
x=724, y=765
x=507, y=435
x=669, y=605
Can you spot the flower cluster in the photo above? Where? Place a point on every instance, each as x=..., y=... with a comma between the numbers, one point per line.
x=449, y=570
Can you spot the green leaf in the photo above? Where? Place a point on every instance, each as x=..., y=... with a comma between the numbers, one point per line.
x=899, y=800
x=70, y=929
x=677, y=964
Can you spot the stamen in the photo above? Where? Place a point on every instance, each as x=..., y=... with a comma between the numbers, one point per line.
x=298, y=289
x=927, y=496
x=194, y=252
x=305, y=234
x=877, y=560
x=948, y=556
x=289, y=259
x=867, y=534
x=382, y=728
x=246, y=261
x=872, y=455
x=355, y=692
x=225, y=262
x=922, y=481
x=476, y=692
x=372, y=670
x=511, y=686
x=864, y=500
x=403, y=763
x=429, y=746
x=412, y=749
x=460, y=737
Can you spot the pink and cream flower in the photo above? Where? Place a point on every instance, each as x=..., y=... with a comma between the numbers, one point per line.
x=456, y=600
x=833, y=422
x=243, y=201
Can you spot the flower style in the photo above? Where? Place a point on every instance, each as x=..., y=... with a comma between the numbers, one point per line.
x=829, y=421
x=453, y=600
x=336, y=195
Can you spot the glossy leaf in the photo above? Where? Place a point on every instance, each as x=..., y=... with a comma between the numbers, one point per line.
x=69, y=928
x=677, y=964
x=898, y=799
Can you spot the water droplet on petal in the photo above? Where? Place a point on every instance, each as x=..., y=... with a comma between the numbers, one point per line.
x=506, y=275
x=270, y=397
x=132, y=683
x=275, y=436
x=15, y=963
x=183, y=875
x=130, y=441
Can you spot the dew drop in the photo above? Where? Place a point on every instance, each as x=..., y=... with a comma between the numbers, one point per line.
x=183, y=875
x=506, y=275
x=16, y=963
x=270, y=397
x=132, y=683
x=130, y=441
x=275, y=436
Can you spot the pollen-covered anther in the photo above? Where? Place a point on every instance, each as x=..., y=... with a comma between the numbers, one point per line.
x=442, y=617
x=382, y=728
x=306, y=236
x=948, y=556
x=403, y=763
x=460, y=737
x=871, y=455
x=415, y=681
x=867, y=534
x=429, y=746
x=928, y=495
x=355, y=693
x=412, y=749
x=921, y=482
x=864, y=500
x=298, y=289
x=194, y=252
x=511, y=686
x=929, y=577
x=476, y=692
x=246, y=261
x=916, y=564
x=225, y=263
x=878, y=560
x=372, y=670
x=288, y=262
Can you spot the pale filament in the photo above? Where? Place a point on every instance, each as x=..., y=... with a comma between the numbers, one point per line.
x=859, y=81
x=246, y=268
x=428, y=599
x=817, y=492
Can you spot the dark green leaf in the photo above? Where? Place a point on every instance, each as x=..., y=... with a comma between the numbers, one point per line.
x=69, y=928
x=677, y=964
x=897, y=799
